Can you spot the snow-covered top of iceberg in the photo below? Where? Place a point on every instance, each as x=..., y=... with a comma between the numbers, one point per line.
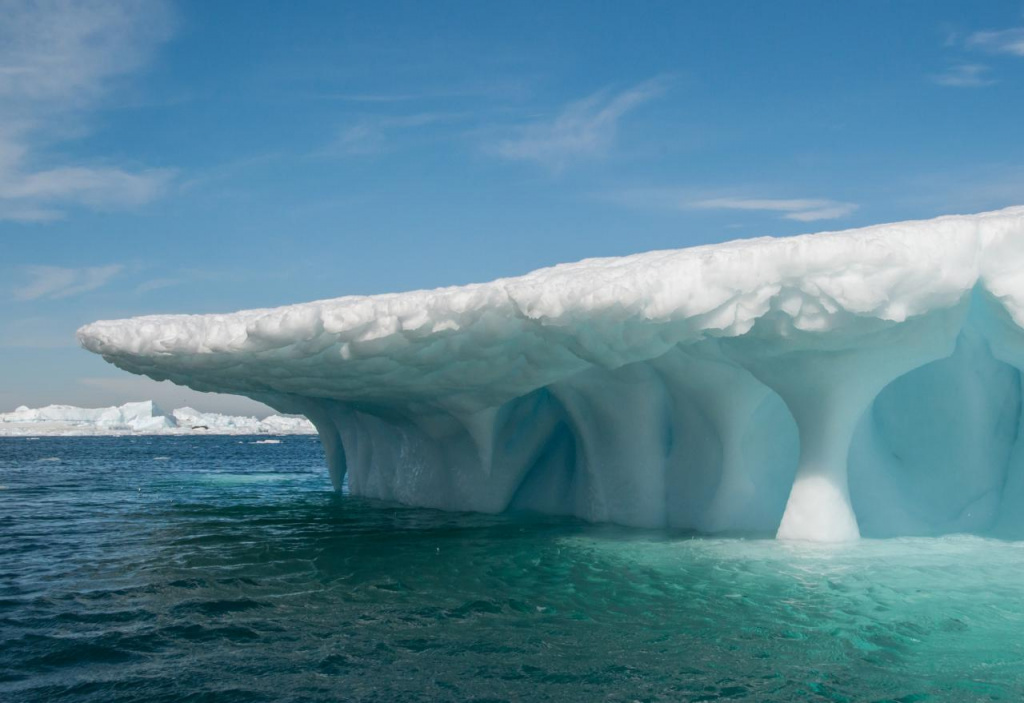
x=140, y=418
x=478, y=345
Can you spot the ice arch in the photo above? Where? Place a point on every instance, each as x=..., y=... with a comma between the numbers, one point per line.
x=939, y=446
x=817, y=386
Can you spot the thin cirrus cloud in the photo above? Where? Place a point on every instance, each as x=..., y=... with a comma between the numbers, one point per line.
x=586, y=128
x=158, y=284
x=965, y=75
x=376, y=134
x=798, y=209
x=1003, y=41
x=55, y=282
x=56, y=62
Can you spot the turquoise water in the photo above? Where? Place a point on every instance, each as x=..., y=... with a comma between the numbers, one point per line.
x=214, y=569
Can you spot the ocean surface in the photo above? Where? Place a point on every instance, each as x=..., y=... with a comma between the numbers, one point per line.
x=225, y=569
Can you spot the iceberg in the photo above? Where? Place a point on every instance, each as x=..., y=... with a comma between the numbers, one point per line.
x=215, y=423
x=820, y=386
x=144, y=417
x=140, y=418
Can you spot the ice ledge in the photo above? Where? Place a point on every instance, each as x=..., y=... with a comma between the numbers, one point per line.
x=749, y=385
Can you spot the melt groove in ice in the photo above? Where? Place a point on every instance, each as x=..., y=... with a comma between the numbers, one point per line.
x=819, y=386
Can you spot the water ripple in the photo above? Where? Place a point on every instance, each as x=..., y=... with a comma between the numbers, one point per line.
x=225, y=572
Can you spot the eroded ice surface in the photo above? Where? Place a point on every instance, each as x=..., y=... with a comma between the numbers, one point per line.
x=819, y=386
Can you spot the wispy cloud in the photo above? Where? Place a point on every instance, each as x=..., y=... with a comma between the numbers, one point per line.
x=27, y=212
x=374, y=134
x=53, y=282
x=99, y=188
x=357, y=140
x=57, y=60
x=584, y=129
x=799, y=209
x=1004, y=41
x=158, y=284
x=965, y=75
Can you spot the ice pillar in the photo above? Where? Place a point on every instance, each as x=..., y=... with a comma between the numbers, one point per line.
x=828, y=383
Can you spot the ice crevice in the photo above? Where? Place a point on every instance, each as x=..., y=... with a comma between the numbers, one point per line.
x=819, y=387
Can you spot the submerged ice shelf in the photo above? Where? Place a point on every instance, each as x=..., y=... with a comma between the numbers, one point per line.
x=820, y=386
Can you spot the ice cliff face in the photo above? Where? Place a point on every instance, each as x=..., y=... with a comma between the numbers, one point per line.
x=819, y=386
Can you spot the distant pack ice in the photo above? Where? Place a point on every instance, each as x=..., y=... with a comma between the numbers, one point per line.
x=819, y=386
x=144, y=417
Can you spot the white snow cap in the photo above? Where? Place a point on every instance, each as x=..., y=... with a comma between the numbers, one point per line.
x=482, y=344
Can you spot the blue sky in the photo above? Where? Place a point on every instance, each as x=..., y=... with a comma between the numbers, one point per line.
x=160, y=157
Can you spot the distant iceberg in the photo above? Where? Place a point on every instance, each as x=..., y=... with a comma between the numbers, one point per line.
x=130, y=417
x=819, y=386
x=140, y=418
x=215, y=423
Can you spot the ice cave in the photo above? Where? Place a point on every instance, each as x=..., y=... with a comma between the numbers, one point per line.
x=819, y=387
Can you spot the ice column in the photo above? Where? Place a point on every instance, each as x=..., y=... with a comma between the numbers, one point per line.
x=828, y=382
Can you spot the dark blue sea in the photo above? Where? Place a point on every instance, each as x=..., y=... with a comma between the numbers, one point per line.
x=223, y=569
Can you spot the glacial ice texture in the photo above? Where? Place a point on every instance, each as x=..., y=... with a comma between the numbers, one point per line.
x=820, y=387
